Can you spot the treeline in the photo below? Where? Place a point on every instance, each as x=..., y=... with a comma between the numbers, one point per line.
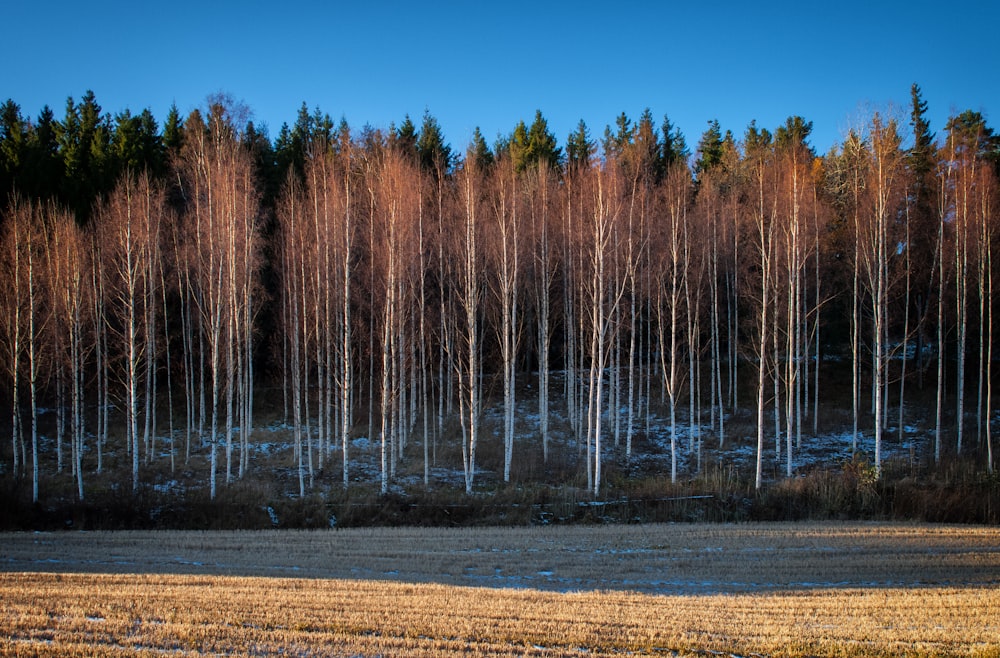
x=154, y=279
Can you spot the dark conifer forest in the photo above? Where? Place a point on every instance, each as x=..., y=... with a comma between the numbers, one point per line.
x=191, y=309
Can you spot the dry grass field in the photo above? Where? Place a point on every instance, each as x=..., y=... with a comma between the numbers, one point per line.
x=772, y=589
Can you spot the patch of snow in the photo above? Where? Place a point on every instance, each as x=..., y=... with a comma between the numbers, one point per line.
x=168, y=487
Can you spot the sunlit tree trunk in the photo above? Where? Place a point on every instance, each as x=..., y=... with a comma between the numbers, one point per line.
x=763, y=215
x=223, y=210
x=504, y=196
x=677, y=189
x=66, y=256
x=884, y=171
x=18, y=315
x=130, y=226
x=470, y=293
x=986, y=189
x=346, y=247
x=543, y=281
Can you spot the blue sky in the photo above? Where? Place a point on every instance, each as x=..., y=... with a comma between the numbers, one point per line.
x=490, y=64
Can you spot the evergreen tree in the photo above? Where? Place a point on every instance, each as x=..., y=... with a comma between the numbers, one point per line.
x=151, y=144
x=517, y=145
x=135, y=146
x=301, y=140
x=673, y=144
x=795, y=131
x=479, y=151
x=434, y=154
x=922, y=220
x=265, y=164
x=709, y=148
x=44, y=171
x=405, y=137
x=647, y=147
x=542, y=144
x=530, y=146
x=920, y=157
x=580, y=148
x=322, y=128
x=283, y=150
x=969, y=131
x=756, y=140
x=342, y=136
x=13, y=141
x=615, y=142
x=173, y=132
x=84, y=142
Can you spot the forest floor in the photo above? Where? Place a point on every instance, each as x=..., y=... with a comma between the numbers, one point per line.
x=832, y=473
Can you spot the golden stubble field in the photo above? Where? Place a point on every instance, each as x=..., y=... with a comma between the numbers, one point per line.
x=772, y=589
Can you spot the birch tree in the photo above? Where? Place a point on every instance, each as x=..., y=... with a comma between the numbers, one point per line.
x=223, y=215
x=21, y=318
x=884, y=184
x=762, y=209
x=544, y=266
x=603, y=293
x=292, y=267
x=505, y=202
x=128, y=226
x=469, y=179
x=68, y=287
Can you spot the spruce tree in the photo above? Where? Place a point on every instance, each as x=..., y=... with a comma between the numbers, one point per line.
x=173, y=132
x=616, y=141
x=479, y=151
x=405, y=138
x=43, y=176
x=13, y=138
x=647, y=147
x=517, y=146
x=795, y=131
x=434, y=154
x=580, y=148
x=542, y=143
x=709, y=148
x=674, y=147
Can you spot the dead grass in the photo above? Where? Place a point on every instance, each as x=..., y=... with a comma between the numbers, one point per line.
x=102, y=614
x=775, y=589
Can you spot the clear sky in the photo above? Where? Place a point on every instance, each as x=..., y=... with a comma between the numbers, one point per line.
x=490, y=64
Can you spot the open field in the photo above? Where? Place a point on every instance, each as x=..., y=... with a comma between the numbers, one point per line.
x=774, y=589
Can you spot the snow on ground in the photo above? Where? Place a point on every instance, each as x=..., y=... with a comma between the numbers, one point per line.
x=272, y=446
